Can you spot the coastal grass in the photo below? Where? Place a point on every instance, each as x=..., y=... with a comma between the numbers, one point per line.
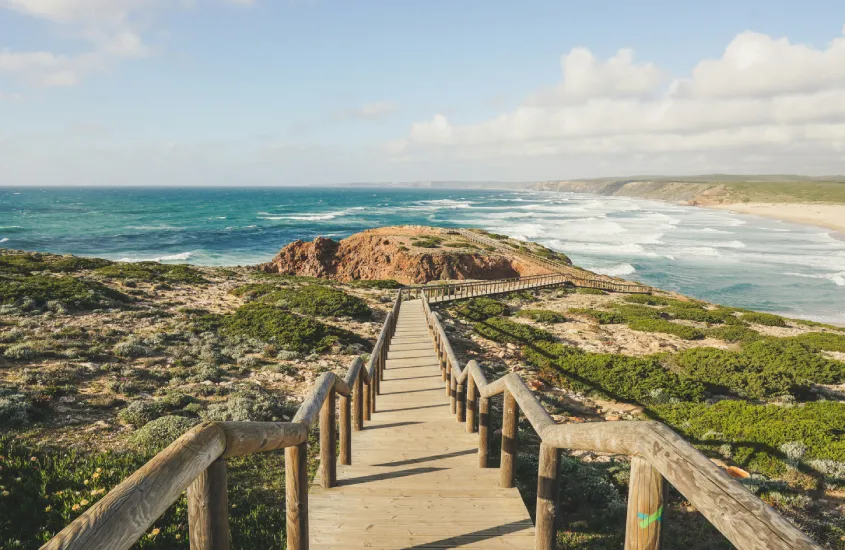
x=320, y=300
x=39, y=291
x=152, y=272
x=505, y=331
x=765, y=438
x=767, y=319
x=762, y=368
x=620, y=377
x=274, y=325
x=481, y=308
x=545, y=316
x=30, y=262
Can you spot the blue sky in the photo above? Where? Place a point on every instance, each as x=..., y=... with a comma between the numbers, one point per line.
x=176, y=92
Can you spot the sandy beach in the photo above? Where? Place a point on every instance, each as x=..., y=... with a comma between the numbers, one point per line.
x=830, y=216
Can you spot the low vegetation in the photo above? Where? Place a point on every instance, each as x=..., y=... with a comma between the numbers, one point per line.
x=151, y=272
x=58, y=293
x=545, y=316
x=506, y=331
x=481, y=308
x=320, y=300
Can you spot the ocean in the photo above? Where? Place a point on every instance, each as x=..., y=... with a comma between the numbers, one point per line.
x=727, y=258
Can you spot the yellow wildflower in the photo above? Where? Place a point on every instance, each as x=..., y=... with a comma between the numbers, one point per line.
x=99, y=470
x=47, y=509
x=5, y=493
x=95, y=475
x=83, y=502
x=33, y=459
x=155, y=532
x=85, y=482
x=75, y=507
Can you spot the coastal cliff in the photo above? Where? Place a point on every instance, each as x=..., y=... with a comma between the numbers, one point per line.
x=408, y=254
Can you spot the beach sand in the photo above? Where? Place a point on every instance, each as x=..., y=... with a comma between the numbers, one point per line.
x=830, y=216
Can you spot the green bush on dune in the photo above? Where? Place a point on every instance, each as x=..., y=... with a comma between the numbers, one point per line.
x=325, y=301
x=598, y=315
x=762, y=368
x=37, y=291
x=734, y=334
x=666, y=327
x=823, y=341
x=152, y=272
x=757, y=433
x=637, y=379
x=27, y=263
x=481, y=308
x=545, y=316
x=767, y=319
x=505, y=331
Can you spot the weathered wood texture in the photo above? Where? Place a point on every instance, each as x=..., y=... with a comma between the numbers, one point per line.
x=646, y=500
x=548, y=489
x=328, y=441
x=296, y=497
x=510, y=421
x=208, y=509
x=415, y=481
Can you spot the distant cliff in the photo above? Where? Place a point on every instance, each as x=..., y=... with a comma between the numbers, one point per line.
x=408, y=254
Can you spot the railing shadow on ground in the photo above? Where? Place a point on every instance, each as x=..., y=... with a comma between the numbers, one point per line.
x=474, y=536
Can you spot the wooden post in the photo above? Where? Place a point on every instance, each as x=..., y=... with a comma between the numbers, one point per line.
x=381, y=364
x=369, y=406
x=510, y=417
x=448, y=379
x=441, y=354
x=646, y=507
x=208, y=509
x=483, y=432
x=296, y=496
x=345, y=431
x=328, y=442
x=453, y=389
x=472, y=403
x=460, y=402
x=358, y=402
x=548, y=489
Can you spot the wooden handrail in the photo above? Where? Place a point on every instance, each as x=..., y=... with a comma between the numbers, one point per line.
x=657, y=453
x=196, y=462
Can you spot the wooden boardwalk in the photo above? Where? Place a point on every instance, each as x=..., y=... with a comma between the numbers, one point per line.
x=414, y=481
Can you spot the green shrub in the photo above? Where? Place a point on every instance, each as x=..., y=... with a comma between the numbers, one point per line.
x=542, y=316
x=649, y=300
x=598, y=315
x=379, y=284
x=427, y=242
x=251, y=406
x=161, y=432
x=634, y=312
x=289, y=331
x=506, y=331
x=16, y=409
x=666, y=327
x=139, y=413
x=637, y=379
x=700, y=314
x=762, y=368
x=734, y=334
x=27, y=263
x=481, y=308
x=20, y=352
x=586, y=290
x=37, y=290
x=320, y=300
x=254, y=290
x=824, y=341
x=153, y=272
x=757, y=433
x=767, y=319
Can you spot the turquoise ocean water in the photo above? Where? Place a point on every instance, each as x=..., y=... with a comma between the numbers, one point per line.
x=727, y=258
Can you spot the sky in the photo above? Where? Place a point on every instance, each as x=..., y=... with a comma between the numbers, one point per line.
x=301, y=92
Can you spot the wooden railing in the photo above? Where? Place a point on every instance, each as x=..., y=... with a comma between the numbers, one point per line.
x=456, y=291
x=196, y=462
x=657, y=455
x=578, y=277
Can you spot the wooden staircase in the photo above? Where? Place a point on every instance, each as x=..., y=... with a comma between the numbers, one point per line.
x=415, y=480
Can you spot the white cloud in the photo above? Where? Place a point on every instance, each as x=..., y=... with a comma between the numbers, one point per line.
x=763, y=99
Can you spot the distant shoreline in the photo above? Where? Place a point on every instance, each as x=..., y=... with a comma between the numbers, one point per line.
x=827, y=216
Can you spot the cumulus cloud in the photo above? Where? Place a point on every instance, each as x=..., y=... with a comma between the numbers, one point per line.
x=761, y=99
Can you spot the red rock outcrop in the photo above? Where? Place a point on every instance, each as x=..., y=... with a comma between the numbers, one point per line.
x=389, y=253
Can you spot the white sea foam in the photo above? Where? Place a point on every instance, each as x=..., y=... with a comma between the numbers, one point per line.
x=447, y=203
x=693, y=251
x=837, y=278
x=4, y=240
x=616, y=270
x=169, y=258
x=725, y=244
x=633, y=249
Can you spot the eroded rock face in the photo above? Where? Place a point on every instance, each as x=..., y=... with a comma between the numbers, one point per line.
x=376, y=254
